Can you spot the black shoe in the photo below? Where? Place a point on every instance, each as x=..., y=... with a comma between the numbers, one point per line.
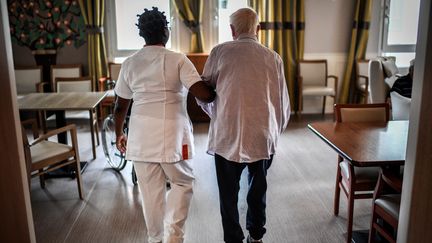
x=252, y=240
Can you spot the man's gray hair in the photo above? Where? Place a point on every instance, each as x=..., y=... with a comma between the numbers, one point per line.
x=244, y=20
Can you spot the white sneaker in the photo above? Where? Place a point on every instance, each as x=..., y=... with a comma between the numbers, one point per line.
x=252, y=240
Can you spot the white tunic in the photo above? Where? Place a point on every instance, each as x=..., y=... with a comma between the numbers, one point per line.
x=157, y=80
x=251, y=108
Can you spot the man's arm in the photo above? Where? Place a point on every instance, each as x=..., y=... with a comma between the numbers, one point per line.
x=120, y=111
x=202, y=91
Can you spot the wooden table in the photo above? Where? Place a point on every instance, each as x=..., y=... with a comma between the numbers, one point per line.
x=365, y=144
x=61, y=102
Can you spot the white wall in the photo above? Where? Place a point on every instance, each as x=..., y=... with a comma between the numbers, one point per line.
x=327, y=36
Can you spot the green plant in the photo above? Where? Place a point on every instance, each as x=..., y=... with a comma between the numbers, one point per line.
x=46, y=24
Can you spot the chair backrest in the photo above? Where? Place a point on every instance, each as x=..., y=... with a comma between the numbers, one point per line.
x=64, y=71
x=82, y=84
x=401, y=106
x=362, y=112
x=313, y=72
x=114, y=70
x=27, y=79
x=362, y=67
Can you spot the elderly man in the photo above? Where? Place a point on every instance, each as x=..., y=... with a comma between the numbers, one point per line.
x=249, y=113
x=403, y=85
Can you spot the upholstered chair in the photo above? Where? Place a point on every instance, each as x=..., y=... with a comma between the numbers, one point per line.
x=312, y=81
x=356, y=182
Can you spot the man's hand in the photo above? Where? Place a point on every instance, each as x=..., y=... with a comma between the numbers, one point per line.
x=203, y=91
x=121, y=142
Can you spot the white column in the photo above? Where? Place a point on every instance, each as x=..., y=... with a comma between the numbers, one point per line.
x=416, y=206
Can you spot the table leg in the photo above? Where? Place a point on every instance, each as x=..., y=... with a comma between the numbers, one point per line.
x=92, y=134
x=61, y=122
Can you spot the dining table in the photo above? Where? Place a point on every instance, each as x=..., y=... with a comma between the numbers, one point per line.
x=59, y=103
x=365, y=144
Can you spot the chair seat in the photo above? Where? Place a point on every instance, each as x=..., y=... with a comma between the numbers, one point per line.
x=318, y=91
x=72, y=115
x=110, y=94
x=47, y=149
x=390, y=203
x=363, y=174
x=77, y=115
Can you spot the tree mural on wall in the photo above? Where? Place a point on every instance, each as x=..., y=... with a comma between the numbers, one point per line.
x=46, y=24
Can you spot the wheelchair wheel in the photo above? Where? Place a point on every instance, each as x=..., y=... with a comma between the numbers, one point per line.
x=113, y=156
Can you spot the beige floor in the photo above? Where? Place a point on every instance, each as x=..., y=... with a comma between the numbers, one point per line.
x=300, y=197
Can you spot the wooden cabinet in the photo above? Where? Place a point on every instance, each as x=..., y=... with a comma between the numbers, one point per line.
x=195, y=112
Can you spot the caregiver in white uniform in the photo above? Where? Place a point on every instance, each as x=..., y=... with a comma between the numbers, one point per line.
x=160, y=139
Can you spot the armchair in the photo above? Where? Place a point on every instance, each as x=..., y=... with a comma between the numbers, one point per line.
x=83, y=84
x=312, y=81
x=401, y=106
x=29, y=79
x=64, y=71
x=382, y=75
x=43, y=156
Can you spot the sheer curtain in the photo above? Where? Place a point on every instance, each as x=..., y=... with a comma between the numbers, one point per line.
x=190, y=12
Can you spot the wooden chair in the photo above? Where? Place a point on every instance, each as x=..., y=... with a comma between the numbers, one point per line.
x=64, y=71
x=82, y=84
x=29, y=79
x=312, y=81
x=107, y=84
x=43, y=156
x=362, y=80
x=386, y=205
x=356, y=182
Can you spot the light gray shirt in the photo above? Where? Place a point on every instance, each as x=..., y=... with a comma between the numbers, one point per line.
x=252, y=105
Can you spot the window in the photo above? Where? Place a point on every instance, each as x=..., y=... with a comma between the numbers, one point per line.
x=123, y=34
x=400, y=30
x=226, y=8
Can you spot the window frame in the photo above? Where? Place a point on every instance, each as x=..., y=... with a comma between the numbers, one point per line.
x=385, y=47
x=111, y=35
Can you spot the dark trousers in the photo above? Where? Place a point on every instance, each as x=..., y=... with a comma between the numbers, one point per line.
x=228, y=176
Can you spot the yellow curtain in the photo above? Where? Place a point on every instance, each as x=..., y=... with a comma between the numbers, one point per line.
x=93, y=13
x=282, y=29
x=300, y=27
x=190, y=12
x=359, y=39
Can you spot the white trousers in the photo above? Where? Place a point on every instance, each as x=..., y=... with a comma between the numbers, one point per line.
x=165, y=212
